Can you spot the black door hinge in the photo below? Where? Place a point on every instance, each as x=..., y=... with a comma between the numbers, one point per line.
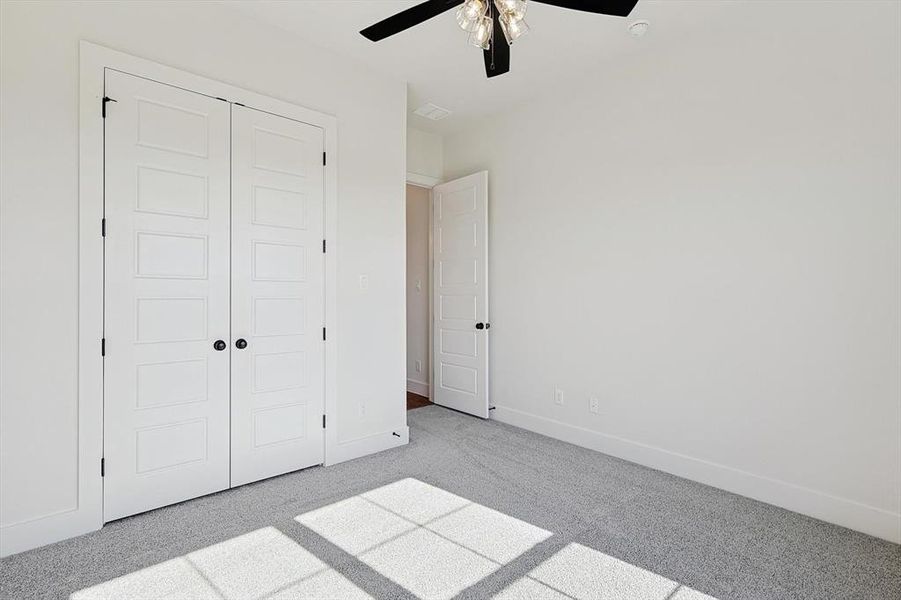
x=323, y=246
x=103, y=467
x=323, y=421
x=103, y=227
x=323, y=159
x=323, y=334
x=102, y=346
x=103, y=105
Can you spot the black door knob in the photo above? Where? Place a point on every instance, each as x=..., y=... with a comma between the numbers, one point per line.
x=220, y=345
x=480, y=326
x=241, y=343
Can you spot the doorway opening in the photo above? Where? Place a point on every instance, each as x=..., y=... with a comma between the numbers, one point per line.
x=419, y=348
x=447, y=295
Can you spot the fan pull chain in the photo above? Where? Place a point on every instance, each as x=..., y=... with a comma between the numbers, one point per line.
x=491, y=37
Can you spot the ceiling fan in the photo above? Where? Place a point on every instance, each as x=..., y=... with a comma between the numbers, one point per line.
x=487, y=21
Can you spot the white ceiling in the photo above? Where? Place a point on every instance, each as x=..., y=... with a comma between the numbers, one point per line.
x=563, y=48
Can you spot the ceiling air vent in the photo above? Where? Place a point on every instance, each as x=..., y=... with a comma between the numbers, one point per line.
x=430, y=111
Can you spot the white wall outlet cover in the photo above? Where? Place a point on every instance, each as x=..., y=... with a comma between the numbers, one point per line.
x=558, y=396
x=594, y=405
x=364, y=282
x=419, y=366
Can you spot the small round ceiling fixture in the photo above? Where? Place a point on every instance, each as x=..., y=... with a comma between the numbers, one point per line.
x=639, y=28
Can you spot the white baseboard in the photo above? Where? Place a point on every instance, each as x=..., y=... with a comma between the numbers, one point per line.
x=351, y=449
x=418, y=387
x=820, y=505
x=15, y=538
x=46, y=530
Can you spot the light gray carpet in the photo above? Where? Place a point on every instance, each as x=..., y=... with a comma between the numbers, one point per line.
x=717, y=543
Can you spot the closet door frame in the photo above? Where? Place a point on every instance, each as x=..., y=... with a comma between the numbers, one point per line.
x=95, y=60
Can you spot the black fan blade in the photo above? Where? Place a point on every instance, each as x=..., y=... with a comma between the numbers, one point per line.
x=408, y=18
x=614, y=8
x=497, y=57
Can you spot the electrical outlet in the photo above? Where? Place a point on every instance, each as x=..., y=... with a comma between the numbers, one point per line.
x=362, y=409
x=364, y=281
x=419, y=285
x=419, y=366
x=558, y=396
x=594, y=405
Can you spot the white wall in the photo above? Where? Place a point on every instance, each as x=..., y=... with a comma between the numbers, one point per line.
x=706, y=237
x=418, y=348
x=38, y=186
x=425, y=153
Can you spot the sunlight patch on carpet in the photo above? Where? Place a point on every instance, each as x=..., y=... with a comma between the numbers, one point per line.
x=429, y=541
x=433, y=543
x=577, y=571
x=261, y=564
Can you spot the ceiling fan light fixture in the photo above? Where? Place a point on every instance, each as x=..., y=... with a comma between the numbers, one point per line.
x=480, y=36
x=513, y=28
x=469, y=14
x=484, y=20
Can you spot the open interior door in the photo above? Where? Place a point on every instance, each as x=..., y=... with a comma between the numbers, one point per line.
x=460, y=294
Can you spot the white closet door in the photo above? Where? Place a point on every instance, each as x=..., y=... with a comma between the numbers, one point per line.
x=277, y=295
x=460, y=294
x=166, y=396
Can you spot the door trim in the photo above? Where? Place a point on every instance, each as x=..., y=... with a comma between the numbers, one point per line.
x=427, y=182
x=423, y=181
x=94, y=60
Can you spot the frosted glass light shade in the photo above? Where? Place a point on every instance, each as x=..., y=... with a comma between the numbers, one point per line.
x=470, y=12
x=481, y=34
x=513, y=28
x=514, y=8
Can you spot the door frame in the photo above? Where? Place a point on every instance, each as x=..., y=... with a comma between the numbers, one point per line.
x=427, y=182
x=93, y=61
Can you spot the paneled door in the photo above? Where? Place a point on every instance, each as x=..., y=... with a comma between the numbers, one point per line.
x=166, y=311
x=460, y=294
x=277, y=295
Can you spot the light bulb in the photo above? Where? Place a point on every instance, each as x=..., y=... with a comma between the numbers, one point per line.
x=514, y=8
x=513, y=27
x=470, y=12
x=481, y=34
